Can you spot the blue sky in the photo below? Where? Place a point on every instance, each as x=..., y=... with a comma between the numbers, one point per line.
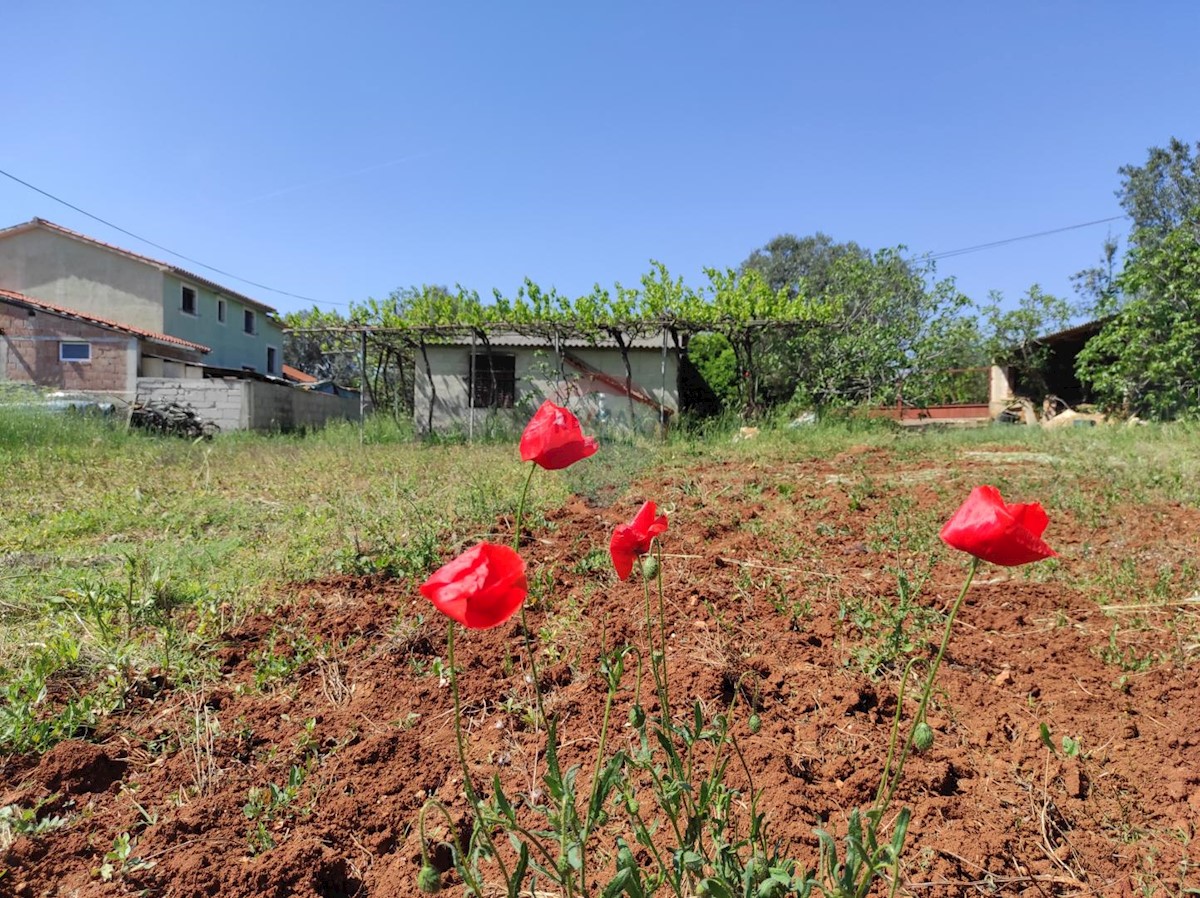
x=340, y=151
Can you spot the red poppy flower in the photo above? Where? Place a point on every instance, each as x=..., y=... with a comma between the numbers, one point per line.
x=984, y=526
x=481, y=588
x=629, y=541
x=554, y=439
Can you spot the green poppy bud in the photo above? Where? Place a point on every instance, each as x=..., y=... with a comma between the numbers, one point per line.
x=649, y=567
x=755, y=723
x=923, y=736
x=632, y=806
x=429, y=880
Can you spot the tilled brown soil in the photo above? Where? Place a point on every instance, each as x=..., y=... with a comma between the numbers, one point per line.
x=768, y=570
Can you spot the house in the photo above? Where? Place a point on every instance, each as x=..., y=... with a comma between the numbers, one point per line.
x=48, y=262
x=85, y=316
x=47, y=344
x=471, y=384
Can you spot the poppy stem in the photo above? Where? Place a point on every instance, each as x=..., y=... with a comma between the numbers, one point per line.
x=894, y=779
x=468, y=786
x=660, y=685
x=537, y=686
x=521, y=509
x=662, y=631
x=452, y=839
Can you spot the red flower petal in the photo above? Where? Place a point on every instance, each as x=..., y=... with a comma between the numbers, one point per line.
x=481, y=588
x=633, y=539
x=984, y=526
x=553, y=438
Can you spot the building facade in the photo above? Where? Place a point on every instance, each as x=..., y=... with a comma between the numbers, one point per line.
x=48, y=262
x=471, y=386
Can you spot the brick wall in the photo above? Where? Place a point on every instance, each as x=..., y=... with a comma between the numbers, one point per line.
x=29, y=352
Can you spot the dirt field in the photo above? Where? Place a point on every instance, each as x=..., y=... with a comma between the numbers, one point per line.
x=783, y=568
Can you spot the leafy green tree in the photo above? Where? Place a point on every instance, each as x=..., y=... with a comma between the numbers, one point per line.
x=788, y=261
x=1161, y=195
x=314, y=344
x=1146, y=360
x=714, y=359
x=1010, y=335
x=882, y=321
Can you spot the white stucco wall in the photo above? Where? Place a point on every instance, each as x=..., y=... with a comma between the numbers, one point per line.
x=86, y=278
x=537, y=380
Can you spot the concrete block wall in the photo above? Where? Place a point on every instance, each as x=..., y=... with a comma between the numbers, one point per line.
x=221, y=400
x=236, y=404
x=282, y=407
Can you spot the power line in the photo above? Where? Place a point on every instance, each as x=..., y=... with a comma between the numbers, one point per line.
x=172, y=252
x=982, y=246
x=947, y=254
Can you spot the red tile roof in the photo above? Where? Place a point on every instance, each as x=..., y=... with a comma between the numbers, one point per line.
x=166, y=266
x=29, y=302
x=297, y=375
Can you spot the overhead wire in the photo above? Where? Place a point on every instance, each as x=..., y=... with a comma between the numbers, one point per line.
x=178, y=255
x=945, y=254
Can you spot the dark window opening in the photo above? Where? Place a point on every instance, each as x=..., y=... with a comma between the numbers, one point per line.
x=188, y=302
x=75, y=352
x=248, y=321
x=221, y=310
x=495, y=380
x=271, y=360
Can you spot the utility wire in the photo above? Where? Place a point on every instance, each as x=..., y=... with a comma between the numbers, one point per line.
x=172, y=252
x=946, y=254
x=982, y=246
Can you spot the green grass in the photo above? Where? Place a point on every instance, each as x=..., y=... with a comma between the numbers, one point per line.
x=123, y=551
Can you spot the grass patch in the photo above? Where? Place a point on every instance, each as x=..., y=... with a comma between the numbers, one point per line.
x=121, y=551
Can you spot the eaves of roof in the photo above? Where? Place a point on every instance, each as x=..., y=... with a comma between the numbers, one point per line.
x=1087, y=329
x=138, y=257
x=30, y=302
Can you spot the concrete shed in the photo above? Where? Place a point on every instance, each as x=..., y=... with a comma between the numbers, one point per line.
x=471, y=385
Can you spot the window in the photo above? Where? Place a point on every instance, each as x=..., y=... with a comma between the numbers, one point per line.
x=248, y=321
x=187, y=302
x=74, y=352
x=271, y=360
x=221, y=310
x=495, y=380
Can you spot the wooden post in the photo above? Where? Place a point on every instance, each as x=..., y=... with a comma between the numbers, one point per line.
x=362, y=387
x=471, y=391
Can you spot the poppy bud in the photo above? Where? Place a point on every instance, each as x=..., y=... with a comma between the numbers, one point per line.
x=922, y=736
x=429, y=880
x=649, y=567
x=755, y=723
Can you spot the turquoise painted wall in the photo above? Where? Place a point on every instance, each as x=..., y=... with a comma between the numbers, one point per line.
x=231, y=346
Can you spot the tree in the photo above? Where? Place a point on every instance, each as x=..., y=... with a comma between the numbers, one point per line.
x=1162, y=194
x=1096, y=286
x=882, y=320
x=1010, y=336
x=788, y=260
x=1146, y=360
x=315, y=346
